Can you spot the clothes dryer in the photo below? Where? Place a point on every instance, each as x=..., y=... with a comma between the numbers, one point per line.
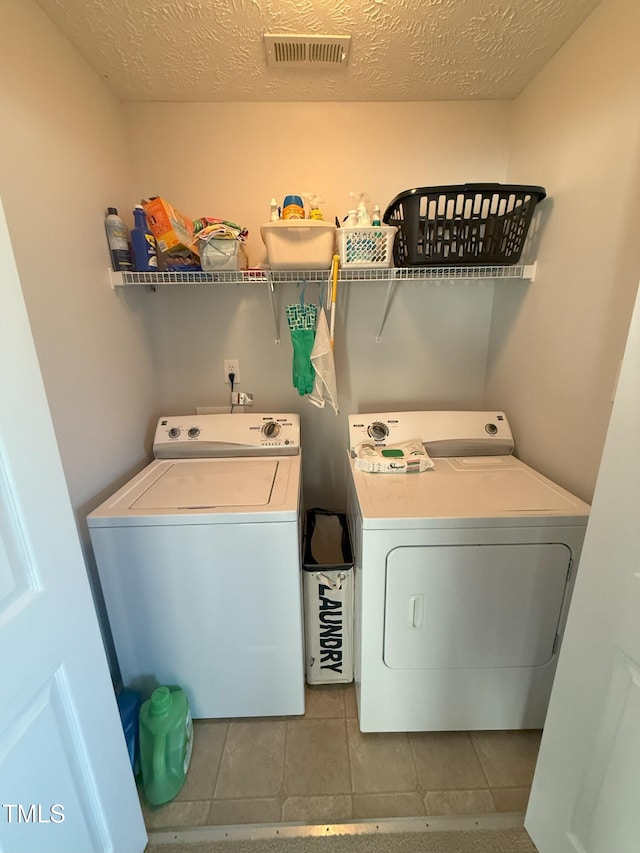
x=199, y=563
x=463, y=576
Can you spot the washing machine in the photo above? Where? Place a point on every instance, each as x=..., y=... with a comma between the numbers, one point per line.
x=199, y=562
x=463, y=576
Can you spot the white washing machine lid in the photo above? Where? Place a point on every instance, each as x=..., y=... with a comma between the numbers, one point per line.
x=465, y=491
x=209, y=484
x=205, y=491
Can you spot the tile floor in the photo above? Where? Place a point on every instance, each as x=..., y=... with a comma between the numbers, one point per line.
x=320, y=768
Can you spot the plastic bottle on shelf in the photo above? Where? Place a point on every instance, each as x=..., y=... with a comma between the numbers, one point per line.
x=349, y=240
x=166, y=741
x=314, y=202
x=143, y=243
x=364, y=220
x=375, y=223
x=275, y=213
x=118, y=240
x=293, y=207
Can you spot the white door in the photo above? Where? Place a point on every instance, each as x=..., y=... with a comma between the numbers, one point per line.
x=66, y=784
x=586, y=790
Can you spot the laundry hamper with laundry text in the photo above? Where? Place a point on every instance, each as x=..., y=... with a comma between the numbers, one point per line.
x=328, y=598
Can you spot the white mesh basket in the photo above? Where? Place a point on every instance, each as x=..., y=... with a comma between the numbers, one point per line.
x=366, y=247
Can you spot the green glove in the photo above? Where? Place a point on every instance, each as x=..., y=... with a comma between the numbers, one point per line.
x=302, y=370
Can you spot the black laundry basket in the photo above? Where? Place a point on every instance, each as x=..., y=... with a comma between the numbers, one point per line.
x=462, y=225
x=328, y=598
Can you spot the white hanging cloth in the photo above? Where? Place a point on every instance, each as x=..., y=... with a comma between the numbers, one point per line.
x=325, y=387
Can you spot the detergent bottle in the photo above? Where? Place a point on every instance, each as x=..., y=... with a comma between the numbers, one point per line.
x=143, y=243
x=129, y=707
x=166, y=741
x=293, y=207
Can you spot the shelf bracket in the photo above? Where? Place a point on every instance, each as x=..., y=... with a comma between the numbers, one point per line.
x=274, y=311
x=385, y=310
x=115, y=279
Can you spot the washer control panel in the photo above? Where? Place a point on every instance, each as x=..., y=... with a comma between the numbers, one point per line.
x=244, y=434
x=444, y=433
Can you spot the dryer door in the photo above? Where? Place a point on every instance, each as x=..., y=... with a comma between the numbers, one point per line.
x=473, y=606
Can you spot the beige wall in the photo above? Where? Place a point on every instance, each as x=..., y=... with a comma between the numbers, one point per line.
x=63, y=159
x=228, y=160
x=556, y=345
x=112, y=361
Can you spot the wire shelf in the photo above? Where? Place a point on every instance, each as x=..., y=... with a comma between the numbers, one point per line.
x=522, y=271
x=392, y=276
x=396, y=274
x=124, y=279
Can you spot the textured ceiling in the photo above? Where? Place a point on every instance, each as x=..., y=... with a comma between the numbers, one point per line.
x=401, y=50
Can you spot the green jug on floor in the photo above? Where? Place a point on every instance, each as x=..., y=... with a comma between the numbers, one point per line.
x=166, y=741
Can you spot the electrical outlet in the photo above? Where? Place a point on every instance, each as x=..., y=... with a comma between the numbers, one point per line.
x=231, y=365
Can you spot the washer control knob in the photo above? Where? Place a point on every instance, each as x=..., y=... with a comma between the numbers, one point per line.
x=174, y=432
x=378, y=430
x=270, y=429
x=194, y=432
x=492, y=429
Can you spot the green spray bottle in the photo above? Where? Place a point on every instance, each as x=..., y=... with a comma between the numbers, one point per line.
x=166, y=741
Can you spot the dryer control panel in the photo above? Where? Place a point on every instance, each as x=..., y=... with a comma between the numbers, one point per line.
x=443, y=433
x=195, y=436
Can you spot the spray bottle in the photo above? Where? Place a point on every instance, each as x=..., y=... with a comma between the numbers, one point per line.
x=314, y=201
x=275, y=212
x=364, y=220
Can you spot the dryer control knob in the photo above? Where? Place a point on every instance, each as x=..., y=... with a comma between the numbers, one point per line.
x=194, y=432
x=378, y=430
x=174, y=432
x=270, y=429
x=492, y=429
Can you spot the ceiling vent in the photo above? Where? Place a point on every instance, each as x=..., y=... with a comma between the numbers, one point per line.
x=296, y=51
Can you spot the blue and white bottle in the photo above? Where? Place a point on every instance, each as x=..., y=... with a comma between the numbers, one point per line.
x=143, y=243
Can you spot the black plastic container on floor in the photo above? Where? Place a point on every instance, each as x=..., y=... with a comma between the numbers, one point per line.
x=462, y=225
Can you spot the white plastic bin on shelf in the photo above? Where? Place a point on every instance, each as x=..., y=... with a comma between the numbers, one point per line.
x=366, y=247
x=299, y=244
x=328, y=598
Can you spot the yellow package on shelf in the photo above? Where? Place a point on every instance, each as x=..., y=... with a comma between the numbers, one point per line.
x=173, y=230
